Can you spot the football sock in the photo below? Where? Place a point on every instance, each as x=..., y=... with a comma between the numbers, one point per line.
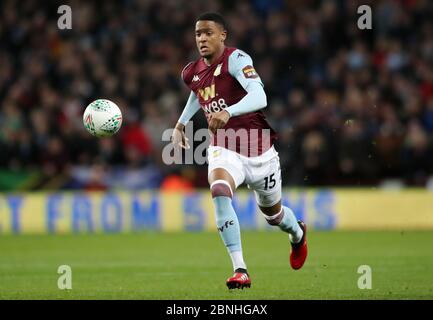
x=241, y=270
x=287, y=222
x=238, y=260
x=229, y=230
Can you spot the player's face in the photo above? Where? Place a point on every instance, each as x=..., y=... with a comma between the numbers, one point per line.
x=209, y=37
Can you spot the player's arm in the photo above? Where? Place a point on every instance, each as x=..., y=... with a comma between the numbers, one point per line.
x=178, y=137
x=241, y=67
x=254, y=100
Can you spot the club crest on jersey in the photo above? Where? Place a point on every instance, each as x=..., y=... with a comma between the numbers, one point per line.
x=217, y=70
x=250, y=72
x=207, y=93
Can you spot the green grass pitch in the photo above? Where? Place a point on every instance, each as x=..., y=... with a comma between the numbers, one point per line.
x=152, y=265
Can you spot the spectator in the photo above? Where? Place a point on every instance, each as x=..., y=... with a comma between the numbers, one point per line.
x=351, y=106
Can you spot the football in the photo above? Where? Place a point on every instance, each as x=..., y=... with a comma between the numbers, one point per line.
x=102, y=118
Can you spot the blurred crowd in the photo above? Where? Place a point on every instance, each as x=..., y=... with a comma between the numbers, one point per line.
x=351, y=106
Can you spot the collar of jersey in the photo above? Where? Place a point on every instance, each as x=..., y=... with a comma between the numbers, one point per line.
x=217, y=60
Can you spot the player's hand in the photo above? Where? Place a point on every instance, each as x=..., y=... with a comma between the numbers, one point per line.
x=218, y=120
x=179, y=139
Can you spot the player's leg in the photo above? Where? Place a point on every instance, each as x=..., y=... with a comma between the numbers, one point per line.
x=281, y=216
x=222, y=186
x=285, y=219
x=267, y=188
x=225, y=175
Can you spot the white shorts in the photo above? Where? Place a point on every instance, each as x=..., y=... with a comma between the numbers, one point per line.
x=261, y=174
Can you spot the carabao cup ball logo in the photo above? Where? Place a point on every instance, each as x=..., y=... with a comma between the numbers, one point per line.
x=102, y=118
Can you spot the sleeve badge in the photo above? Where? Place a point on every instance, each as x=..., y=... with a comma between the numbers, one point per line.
x=250, y=72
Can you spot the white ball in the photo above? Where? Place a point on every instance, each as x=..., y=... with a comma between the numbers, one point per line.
x=102, y=118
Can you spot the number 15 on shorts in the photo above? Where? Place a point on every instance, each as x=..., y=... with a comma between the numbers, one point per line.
x=270, y=182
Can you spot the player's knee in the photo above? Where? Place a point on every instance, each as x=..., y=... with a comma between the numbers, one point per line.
x=221, y=188
x=273, y=214
x=270, y=211
x=274, y=219
x=269, y=204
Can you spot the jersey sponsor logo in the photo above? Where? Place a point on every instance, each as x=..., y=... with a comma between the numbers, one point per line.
x=207, y=93
x=218, y=70
x=195, y=78
x=250, y=72
x=215, y=106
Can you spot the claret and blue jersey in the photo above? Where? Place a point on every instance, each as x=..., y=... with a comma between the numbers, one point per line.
x=221, y=86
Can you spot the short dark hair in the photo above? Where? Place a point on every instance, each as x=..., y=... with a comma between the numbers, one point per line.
x=213, y=16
